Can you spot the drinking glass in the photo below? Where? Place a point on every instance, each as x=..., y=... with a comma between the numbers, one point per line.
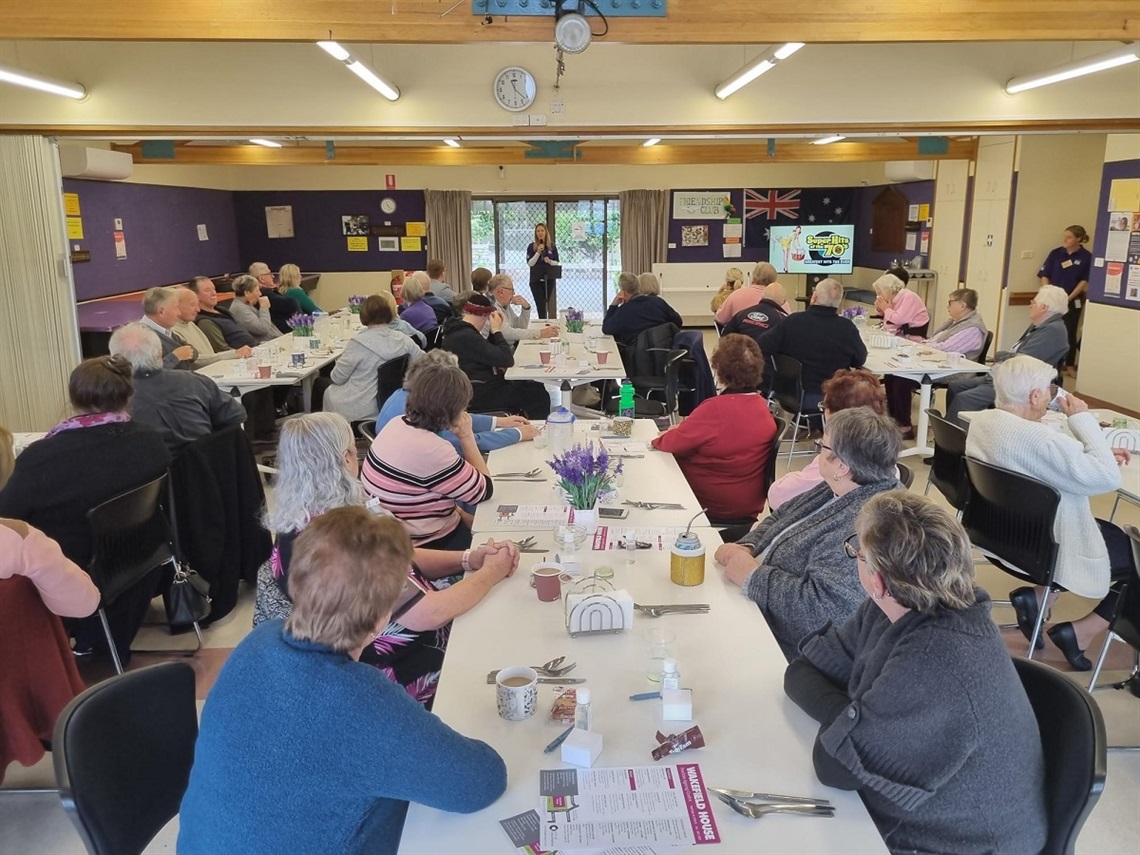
x=662, y=646
x=630, y=544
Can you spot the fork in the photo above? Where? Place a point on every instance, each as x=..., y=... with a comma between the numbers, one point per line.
x=658, y=611
x=759, y=811
x=531, y=474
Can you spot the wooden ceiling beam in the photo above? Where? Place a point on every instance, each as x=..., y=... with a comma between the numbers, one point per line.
x=688, y=21
x=595, y=154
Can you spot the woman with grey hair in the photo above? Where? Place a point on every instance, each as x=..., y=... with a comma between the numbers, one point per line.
x=317, y=471
x=647, y=283
x=792, y=565
x=923, y=656
x=416, y=311
x=250, y=308
x=1077, y=463
x=903, y=310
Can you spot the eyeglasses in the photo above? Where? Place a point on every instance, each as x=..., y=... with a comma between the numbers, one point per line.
x=820, y=445
x=851, y=547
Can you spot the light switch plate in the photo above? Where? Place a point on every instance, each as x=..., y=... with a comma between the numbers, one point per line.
x=118, y=224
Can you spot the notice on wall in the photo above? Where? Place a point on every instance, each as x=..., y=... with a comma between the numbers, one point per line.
x=202, y=233
x=1124, y=194
x=734, y=230
x=416, y=229
x=388, y=244
x=75, y=228
x=71, y=204
x=912, y=213
x=279, y=221
x=1119, y=232
x=911, y=241
x=732, y=250
x=1113, y=274
x=357, y=243
x=1133, y=287
x=924, y=243
x=410, y=244
x=700, y=205
x=355, y=224
x=924, y=212
x=120, y=245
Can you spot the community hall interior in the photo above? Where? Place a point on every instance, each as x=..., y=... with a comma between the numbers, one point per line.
x=196, y=121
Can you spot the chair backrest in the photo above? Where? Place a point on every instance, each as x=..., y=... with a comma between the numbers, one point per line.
x=1126, y=620
x=787, y=382
x=649, y=356
x=1011, y=515
x=130, y=537
x=773, y=453
x=122, y=752
x=389, y=378
x=920, y=330
x=1076, y=750
x=948, y=468
x=675, y=360
x=905, y=475
x=986, y=346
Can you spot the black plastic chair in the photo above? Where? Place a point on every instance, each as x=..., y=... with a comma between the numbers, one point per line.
x=788, y=392
x=130, y=538
x=906, y=477
x=774, y=453
x=989, y=340
x=1075, y=747
x=948, y=467
x=1009, y=519
x=676, y=360
x=122, y=752
x=389, y=378
x=1125, y=623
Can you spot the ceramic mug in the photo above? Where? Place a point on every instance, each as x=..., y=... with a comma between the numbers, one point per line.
x=517, y=691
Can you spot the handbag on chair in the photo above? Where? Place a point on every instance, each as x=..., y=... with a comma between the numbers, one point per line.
x=188, y=600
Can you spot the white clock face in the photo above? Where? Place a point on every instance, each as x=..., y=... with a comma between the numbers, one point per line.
x=514, y=89
x=388, y=205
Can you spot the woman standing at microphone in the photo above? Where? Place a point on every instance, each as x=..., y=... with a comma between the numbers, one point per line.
x=542, y=257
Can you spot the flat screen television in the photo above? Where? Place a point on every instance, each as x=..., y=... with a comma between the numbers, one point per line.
x=812, y=249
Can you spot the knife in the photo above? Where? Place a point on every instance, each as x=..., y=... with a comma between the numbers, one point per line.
x=557, y=681
x=744, y=795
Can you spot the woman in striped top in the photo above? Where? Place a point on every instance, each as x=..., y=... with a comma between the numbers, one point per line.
x=417, y=475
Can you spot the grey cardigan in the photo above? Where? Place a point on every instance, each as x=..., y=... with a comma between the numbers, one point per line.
x=807, y=579
x=938, y=732
x=255, y=321
x=354, y=379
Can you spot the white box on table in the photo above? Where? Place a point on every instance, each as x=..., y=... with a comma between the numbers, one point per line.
x=676, y=704
x=582, y=747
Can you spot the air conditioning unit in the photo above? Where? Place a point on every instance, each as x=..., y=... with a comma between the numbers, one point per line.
x=910, y=170
x=83, y=162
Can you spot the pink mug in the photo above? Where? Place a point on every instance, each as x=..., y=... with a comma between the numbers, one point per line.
x=544, y=579
x=264, y=372
x=544, y=355
x=603, y=357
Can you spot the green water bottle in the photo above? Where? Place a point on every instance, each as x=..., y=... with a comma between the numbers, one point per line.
x=625, y=401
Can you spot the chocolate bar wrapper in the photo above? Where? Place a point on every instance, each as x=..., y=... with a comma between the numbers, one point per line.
x=676, y=742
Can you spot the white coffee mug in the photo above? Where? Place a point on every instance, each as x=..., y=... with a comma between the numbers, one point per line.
x=953, y=358
x=517, y=690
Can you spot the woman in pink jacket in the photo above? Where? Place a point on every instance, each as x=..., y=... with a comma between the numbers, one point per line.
x=902, y=309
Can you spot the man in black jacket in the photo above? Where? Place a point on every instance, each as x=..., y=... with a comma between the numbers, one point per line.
x=756, y=320
x=819, y=338
x=485, y=361
x=631, y=312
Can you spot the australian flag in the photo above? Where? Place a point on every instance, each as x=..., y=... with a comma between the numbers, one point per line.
x=810, y=206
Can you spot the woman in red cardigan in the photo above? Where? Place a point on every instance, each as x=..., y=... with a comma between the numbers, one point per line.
x=723, y=446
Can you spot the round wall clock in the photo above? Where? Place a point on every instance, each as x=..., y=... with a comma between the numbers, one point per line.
x=388, y=205
x=514, y=89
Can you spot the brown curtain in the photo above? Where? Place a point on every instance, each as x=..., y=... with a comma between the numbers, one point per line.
x=449, y=233
x=644, y=228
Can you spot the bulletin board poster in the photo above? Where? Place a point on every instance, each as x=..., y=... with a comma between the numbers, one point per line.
x=1115, y=276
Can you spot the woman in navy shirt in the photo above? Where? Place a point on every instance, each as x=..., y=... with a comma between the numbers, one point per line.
x=542, y=257
x=1068, y=267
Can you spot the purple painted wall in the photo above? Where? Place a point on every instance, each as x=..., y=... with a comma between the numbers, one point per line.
x=1112, y=171
x=161, y=230
x=318, y=244
x=916, y=192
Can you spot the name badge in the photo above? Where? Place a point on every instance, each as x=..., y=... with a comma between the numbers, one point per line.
x=1066, y=264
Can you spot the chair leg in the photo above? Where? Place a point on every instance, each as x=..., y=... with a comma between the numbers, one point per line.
x=1100, y=661
x=110, y=642
x=926, y=489
x=795, y=436
x=1115, y=505
x=1037, y=626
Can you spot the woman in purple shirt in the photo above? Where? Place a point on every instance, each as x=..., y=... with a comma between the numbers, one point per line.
x=1067, y=267
x=415, y=311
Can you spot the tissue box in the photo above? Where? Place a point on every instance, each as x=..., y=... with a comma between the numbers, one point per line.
x=676, y=704
x=599, y=611
x=582, y=747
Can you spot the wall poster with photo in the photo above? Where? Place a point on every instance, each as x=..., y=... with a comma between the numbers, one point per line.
x=694, y=235
x=355, y=224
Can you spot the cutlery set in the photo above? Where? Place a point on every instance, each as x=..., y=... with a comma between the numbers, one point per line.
x=679, y=609
x=530, y=544
x=550, y=672
x=653, y=506
x=760, y=805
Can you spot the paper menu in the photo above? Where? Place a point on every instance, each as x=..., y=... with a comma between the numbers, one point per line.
x=523, y=833
x=534, y=516
x=613, y=537
x=624, y=806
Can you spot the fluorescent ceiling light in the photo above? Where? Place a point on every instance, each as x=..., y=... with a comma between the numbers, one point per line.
x=17, y=77
x=369, y=76
x=754, y=69
x=1090, y=65
x=826, y=140
x=652, y=141
x=451, y=142
x=266, y=143
x=334, y=50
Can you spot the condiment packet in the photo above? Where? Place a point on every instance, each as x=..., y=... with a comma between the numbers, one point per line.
x=565, y=699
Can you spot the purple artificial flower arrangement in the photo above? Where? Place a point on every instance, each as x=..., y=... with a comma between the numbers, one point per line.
x=301, y=324
x=355, y=302
x=584, y=472
x=575, y=320
x=854, y=312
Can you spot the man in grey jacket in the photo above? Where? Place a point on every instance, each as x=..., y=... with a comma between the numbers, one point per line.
x=181, y=405
x=1046, y=339
x=160, y=314
x=516, y=327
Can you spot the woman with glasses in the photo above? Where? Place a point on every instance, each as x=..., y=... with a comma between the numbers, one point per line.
x=920, y=708
x=792, y=565
x=963, y=332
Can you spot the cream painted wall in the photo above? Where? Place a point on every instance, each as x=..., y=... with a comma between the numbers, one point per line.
x=141, y=84
x=988, y=227
x=951, y=182
x=1122, y=147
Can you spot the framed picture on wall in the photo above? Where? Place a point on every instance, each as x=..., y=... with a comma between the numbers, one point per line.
x=389, y=244
x=357, y=224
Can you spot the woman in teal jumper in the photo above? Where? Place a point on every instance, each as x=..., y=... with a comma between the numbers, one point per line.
x=289, y=285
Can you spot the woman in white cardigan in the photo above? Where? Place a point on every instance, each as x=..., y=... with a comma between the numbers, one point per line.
x=1092, y=553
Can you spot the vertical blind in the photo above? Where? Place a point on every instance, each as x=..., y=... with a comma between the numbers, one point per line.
x=39, y=333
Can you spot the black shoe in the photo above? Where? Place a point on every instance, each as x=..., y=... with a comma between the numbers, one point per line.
x=1065, y=637
x=1024, y=602
x=929, y=461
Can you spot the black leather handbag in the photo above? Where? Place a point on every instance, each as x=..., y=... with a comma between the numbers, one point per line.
x=189, y=598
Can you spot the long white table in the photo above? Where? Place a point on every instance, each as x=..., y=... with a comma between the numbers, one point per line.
x=1129, y=489
x=655, y=477
x=924, y=368
x=756, y=738
x=574, y=366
